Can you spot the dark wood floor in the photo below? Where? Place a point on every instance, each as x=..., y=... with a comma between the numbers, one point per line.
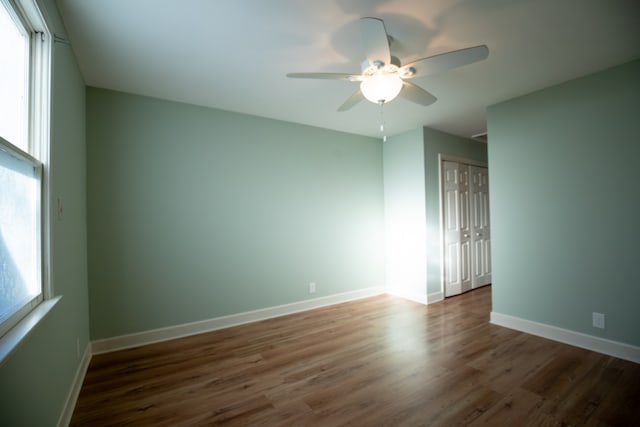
x=382, y=361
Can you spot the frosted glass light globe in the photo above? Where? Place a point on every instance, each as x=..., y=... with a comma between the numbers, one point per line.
x=381, y=88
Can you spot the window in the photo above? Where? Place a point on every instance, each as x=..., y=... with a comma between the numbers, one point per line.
x=20, y=253
x=14, y=45
x=24, y=150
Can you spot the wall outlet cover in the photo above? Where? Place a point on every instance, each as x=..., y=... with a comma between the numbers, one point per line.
x=597, y=320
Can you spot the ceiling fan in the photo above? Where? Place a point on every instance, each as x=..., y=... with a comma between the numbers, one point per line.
x=383, y=77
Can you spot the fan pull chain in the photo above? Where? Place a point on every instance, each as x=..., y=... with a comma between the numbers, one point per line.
x=384, y=136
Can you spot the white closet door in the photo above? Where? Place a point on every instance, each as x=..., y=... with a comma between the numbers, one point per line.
x=467, y=234
x=480, y=230
x=457, y=233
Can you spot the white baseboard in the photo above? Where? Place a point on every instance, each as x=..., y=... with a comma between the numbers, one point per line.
x=179, y=331
x=589, y=342
x=74, y=392
x=420, y=298
x=435, y=297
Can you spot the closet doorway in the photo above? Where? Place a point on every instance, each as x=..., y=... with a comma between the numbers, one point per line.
x=465, y=225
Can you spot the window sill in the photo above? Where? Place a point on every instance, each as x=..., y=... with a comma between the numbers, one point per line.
x=16, y=336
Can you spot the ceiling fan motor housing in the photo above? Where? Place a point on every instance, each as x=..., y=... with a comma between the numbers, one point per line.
x=368, y=68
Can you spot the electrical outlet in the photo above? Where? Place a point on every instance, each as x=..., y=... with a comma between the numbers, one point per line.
x=312, y=288
x=598, y=320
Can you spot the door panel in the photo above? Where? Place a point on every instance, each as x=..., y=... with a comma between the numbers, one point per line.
x=452, y=274
x=465, y=264
x=456, y=228
x=467, y=235
x=480, y=230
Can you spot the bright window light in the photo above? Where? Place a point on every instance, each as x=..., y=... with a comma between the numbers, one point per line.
x=14, y=45
x=19, y=234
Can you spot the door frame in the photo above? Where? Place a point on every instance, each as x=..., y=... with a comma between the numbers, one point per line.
x=442, y=157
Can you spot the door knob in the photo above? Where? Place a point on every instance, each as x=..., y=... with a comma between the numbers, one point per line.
x=478, y=234
x=465, y=235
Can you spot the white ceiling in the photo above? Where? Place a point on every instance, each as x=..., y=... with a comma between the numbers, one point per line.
x=234, y=54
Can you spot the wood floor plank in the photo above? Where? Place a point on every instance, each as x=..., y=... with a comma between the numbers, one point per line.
x=517, y=408
x=381, y=361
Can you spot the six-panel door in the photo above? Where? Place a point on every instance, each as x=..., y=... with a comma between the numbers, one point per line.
x=467, y=236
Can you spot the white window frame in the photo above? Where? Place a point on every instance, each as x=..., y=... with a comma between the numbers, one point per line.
x=33, y=20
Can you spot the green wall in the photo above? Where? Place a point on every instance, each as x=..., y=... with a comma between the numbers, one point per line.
x=564, y=203
x=36, y=379
x=404, y=216
x=412, y=208
x=196, y=213
x=435, y=143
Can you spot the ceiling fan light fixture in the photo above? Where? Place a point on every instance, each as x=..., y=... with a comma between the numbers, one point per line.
x=383, y=77
x=381, y=88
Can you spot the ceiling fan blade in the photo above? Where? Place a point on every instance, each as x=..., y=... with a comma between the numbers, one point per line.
x=446, y=61
x=351, y=101
x=328, y=76
x=374, y=40
x=416, y=94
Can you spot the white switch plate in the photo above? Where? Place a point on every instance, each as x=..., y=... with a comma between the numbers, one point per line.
x=598, y=320
x=312, y=288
